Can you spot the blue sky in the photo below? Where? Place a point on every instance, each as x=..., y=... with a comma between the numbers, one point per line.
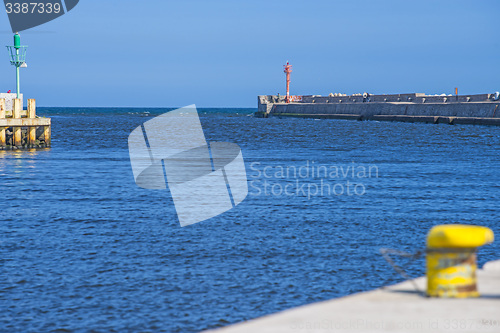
x=223, y=53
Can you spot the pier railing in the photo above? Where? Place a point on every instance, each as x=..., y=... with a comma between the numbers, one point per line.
x=22, y=129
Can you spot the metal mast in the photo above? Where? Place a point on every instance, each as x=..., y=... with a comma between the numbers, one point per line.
x=17, y=58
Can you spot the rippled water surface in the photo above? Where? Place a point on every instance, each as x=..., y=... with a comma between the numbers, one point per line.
x=83, y=248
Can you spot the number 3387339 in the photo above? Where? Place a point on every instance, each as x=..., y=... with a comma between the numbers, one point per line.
x=32, y=8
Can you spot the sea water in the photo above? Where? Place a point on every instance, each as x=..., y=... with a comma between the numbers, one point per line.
x=83, y=248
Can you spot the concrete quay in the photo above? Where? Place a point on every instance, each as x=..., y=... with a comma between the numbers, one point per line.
x=396, y=308
x=473, y=109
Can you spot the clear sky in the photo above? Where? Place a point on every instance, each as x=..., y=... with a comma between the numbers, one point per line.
x=223, y=53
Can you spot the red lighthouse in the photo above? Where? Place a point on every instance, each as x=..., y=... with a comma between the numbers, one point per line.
x=287, y=70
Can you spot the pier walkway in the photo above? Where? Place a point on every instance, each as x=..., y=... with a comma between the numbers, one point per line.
x=397, y=308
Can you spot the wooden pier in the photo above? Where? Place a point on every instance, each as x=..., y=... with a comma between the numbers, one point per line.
x=22, y=129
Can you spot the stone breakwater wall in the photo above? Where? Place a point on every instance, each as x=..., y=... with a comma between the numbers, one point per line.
x=472, y=109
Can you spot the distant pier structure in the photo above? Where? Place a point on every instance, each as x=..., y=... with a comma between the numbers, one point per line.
x=19, y=128
x=480, y=109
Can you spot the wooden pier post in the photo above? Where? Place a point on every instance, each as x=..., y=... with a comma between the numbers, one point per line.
x=16, y=113
x=2, y=116
x=31, y=113
x=46, y=135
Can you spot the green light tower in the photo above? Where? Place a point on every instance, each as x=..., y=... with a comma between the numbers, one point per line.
x=17, y=58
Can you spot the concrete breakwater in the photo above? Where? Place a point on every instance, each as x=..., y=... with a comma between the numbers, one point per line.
x=396, y=308
x=481, y=109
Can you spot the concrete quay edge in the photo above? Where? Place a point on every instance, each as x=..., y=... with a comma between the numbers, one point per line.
x=396, y=308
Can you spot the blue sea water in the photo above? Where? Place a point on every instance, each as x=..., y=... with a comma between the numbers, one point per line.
x=84, y=249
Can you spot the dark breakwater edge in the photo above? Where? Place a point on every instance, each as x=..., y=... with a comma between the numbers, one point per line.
x=82, y=248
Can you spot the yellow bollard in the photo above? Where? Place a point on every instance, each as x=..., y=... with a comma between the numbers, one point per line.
x=451, y=259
